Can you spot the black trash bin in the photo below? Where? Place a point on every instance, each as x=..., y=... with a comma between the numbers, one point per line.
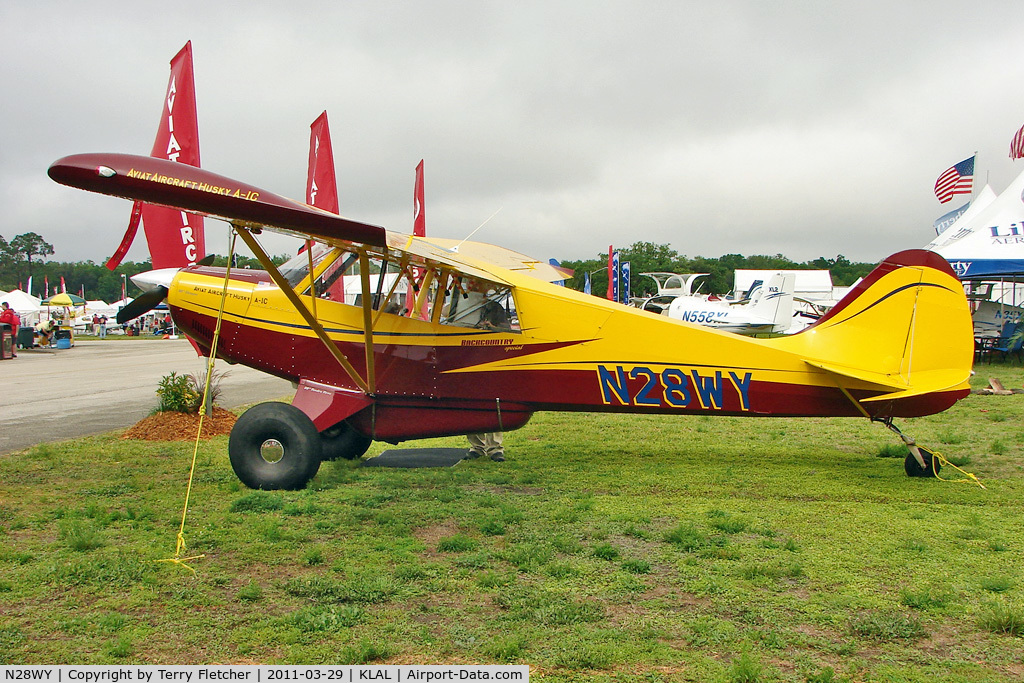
x=26, y=338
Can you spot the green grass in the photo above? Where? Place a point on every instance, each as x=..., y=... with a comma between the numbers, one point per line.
x=625, y=548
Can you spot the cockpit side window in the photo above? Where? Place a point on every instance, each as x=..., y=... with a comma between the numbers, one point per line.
x=297, y=267
x=471, y=302
x=405, y=290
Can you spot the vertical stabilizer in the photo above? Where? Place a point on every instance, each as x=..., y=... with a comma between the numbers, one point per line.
x=774, y=301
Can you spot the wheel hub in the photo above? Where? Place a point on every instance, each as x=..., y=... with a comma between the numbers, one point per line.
x=272, y=450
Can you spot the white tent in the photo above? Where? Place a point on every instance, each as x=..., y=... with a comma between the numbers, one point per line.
x=987, y=241
x=26, y=306
x=101, y=308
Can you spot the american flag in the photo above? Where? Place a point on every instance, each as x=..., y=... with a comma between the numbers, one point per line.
x=957, y=179
x=1017, y=145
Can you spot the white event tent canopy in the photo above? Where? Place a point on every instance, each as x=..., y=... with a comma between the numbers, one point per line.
x=987, y=241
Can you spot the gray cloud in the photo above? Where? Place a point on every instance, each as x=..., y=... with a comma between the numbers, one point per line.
x=799, y=128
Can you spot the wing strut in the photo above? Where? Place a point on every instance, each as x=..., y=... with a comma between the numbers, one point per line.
x=303, y=310
x=364, y=281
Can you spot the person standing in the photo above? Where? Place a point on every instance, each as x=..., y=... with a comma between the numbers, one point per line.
x=492, y=317
x=10, y=318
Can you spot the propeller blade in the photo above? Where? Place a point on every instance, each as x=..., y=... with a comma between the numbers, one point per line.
x=142, y=304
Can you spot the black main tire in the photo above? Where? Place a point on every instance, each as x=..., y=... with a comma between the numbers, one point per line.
x=274, y=446
x=342, y=441
x=913, y=468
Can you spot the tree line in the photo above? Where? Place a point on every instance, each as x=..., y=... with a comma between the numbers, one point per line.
x=19, y=260
x=647, y=257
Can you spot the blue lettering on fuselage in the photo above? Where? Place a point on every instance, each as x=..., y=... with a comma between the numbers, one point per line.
x=671, y=387
x=704, y=317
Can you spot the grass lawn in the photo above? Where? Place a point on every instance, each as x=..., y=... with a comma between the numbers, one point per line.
x=627, y=548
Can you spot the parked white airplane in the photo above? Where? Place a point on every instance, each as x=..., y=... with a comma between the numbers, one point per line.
x=670, y=286
x=768, y=308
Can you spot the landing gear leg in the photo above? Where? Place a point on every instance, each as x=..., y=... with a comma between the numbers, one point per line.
x=921, y=462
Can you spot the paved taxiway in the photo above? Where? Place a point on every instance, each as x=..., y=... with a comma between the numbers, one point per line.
x=98, y=386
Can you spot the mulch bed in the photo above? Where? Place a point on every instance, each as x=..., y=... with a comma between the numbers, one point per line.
x=173, y=426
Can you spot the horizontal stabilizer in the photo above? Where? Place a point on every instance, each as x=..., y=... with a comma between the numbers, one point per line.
x=195, y=190
x=876, y=380
x=925, y=382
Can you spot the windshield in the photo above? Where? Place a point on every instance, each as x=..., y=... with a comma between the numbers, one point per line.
x=297, y=267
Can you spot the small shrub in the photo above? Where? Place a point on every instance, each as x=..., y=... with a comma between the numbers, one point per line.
x=178, y=394
x=198, y=382
x=184, y=393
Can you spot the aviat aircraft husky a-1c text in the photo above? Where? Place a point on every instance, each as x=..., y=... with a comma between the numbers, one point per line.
x=453, y=338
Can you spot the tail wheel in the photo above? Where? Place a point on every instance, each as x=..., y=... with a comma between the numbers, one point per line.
x=913, y=468
x=274, y=446
x=342, y=441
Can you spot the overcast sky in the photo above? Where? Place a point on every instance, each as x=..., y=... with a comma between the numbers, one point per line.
x=801, y=128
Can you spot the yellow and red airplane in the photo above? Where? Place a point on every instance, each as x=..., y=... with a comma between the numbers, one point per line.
x=488, y=340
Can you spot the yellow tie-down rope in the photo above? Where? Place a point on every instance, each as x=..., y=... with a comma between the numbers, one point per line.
x=180, y=547
x=969, y=477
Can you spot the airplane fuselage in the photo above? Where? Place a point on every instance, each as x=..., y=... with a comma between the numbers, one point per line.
x=573, y=352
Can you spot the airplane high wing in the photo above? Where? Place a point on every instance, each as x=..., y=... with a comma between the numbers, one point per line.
x=488, y=340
